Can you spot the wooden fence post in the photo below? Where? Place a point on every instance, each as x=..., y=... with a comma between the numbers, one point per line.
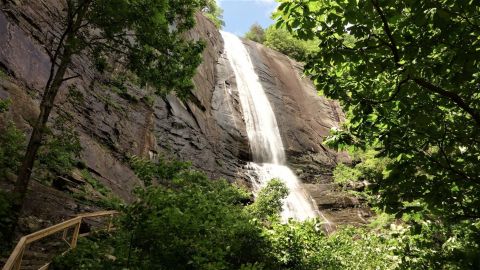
x=110, y=220
x=18, y=263
x=76, y=232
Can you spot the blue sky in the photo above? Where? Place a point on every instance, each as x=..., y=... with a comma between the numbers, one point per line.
x=239, y=15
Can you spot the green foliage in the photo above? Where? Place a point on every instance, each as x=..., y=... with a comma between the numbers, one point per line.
x=193, y=223
x=97, y=194
x=60, y=150
x=197, y=223
x=268, y=203
x=215, y=13
x=160, y=54
x=100, y=63
x=388, y=245
x=366, y=166
x=93, y=253
x=344, y=174
x=256, y=33
x=149, y=100
x=304, y=246
x=97, y=186
x=4, y=104
x=159, y=171
x=341, y=140
x=12, y=147
x=281, y=40
x=75, y=96
x=407, y=74
x=3, y=74
x=118, y=85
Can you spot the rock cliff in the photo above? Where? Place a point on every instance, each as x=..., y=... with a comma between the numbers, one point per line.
x=208, y=131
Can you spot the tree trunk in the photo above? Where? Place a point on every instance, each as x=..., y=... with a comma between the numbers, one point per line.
x=25, y=171
x=65, y=51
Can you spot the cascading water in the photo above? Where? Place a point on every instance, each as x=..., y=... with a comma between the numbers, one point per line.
x=263, y=134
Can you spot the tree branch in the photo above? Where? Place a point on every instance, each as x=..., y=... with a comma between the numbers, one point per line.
x=71, y=77
x=455, y=98
x=386, y=28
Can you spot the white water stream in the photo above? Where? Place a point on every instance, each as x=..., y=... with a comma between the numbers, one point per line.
x=263, y=134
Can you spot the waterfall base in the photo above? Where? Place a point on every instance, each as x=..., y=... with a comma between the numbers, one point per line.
x=298, y=205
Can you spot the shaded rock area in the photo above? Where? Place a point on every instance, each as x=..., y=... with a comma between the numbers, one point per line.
x=209, y=130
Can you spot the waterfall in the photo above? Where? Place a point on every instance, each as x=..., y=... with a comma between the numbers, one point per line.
x=263, y=134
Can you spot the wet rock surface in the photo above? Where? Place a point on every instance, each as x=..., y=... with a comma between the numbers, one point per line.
x=337, y=203
x=304, y=120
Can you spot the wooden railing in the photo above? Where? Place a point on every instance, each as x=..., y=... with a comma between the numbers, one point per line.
x=14, y=262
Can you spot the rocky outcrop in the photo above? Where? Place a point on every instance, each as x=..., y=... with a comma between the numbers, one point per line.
x=208, y=131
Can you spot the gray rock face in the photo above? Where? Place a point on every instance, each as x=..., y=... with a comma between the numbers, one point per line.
x=209, y=132
x=304, y=119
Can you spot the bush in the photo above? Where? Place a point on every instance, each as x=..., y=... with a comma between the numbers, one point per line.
x=4, y=104
x=256, y=33
x=90, y=253
x=191, y=223
x=12, y=148
x=215, y=13
x=268, y=203
x=281, y=40
x=60, y=150
x=156, y=171
x=344, y=174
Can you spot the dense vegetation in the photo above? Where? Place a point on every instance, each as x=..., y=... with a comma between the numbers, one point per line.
x=281, y=40
x=407, y=75
x=192, y=222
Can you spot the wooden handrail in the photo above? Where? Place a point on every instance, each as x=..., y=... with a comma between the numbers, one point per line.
x=15, y=260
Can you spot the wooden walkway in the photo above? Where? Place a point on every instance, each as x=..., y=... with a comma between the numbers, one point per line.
x=15, y=260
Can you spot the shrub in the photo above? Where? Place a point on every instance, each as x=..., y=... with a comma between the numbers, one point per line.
x=281, y=40
x=156, y=171
x=268, y=203
x=344, y=174
x=256, y=33
x=190, y=223
x=4, y=104
x=12, y=147
x=60, y=151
